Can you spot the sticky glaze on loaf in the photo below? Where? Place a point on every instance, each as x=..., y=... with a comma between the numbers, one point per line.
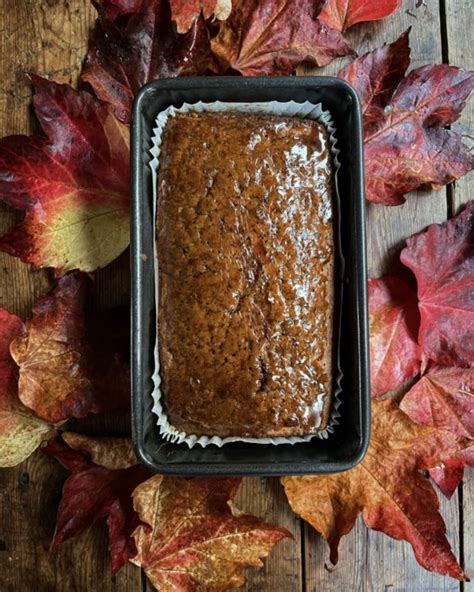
x=246, y=265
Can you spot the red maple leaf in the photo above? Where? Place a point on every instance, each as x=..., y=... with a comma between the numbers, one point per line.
x=104, y=474
x=376, y=75
x=443, y=397
x=185, y=12
x=394, y=321
x=442, y=259
x=20, y=431
x=406, y=143
x=73, y=183
x=135, y=42
x=275, y=36
x=342, y=14
x=193, y=538
x=61, y=372
x=387, y=487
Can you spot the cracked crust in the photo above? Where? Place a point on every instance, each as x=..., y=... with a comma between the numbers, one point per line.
x=246, y=260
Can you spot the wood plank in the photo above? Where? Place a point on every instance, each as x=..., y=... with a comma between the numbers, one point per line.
x=29, y=496
x=24, y=37
x=468, y=528
x=376, y=562
x=459, y=18
x=391, y=564
x=49, y=38
x=53, y=46
x=351, y=571
x=282, y=571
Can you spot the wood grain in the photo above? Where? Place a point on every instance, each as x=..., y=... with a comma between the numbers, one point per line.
x=50, y=37
x=388, y=228
x=459, y=39
x=459, y=18
x=47, y=37
x=467, y=508
x=283, y=569
x=351, y=572
x=370, y=560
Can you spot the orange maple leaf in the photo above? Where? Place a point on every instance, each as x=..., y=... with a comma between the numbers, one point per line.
x=388, y=488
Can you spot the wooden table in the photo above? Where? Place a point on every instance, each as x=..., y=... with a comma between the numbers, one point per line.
x=50, y=37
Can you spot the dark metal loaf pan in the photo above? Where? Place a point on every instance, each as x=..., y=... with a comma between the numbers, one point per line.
x=346, y=447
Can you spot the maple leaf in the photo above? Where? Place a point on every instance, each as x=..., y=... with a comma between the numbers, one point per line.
x=20, y=431
x=61, y=372
x=443, y=397
x=376, y=75
x=185, y=12
x=104, y=473
x=406, y=144
x=342, y=14
x=193, y=539
x=387, y=487
x=442, y=259
x=274, y=37
x=394, y=320
x=141, y=45
x=72, y=184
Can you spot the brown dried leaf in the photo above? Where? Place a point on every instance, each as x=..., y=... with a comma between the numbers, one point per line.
x=20, y=431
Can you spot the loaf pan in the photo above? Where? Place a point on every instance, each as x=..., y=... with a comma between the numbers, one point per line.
x=346, y=447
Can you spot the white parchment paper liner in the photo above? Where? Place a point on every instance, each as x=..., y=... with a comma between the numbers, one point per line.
x=304, y=110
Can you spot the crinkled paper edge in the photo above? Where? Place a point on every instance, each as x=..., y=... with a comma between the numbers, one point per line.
x=304, y=110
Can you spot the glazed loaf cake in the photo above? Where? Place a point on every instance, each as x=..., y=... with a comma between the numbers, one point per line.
x=245, y=248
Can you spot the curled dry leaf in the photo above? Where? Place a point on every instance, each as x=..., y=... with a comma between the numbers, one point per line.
x=185, y=12
x=53, y=380
x=141, y=45
x=193, y=539
x=388, y=488
x=222, y=9
x=93, y=490
x=20, y=431
x=442, y=259
x=394, y=321
x=61, y=373
x=406, y=143
x=108, y=452
x=274, y=37
x=342, y=14
x=72, y=184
